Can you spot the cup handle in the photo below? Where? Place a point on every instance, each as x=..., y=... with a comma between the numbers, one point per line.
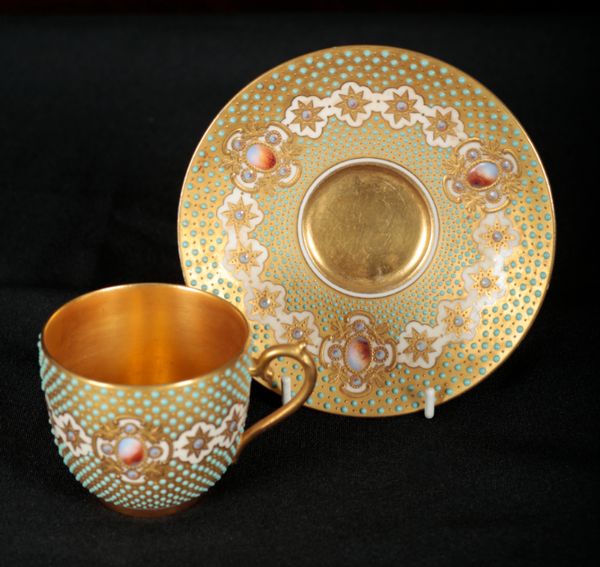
x=299, y=353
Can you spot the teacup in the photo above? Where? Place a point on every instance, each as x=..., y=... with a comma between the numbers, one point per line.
x=147, y=387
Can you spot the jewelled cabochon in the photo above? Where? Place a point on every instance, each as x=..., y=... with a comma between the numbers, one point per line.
x=451, y=150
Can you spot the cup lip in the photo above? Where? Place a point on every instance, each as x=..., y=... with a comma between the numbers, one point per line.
x=145, y=387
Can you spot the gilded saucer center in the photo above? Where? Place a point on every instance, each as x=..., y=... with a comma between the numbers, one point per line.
x=367, y=227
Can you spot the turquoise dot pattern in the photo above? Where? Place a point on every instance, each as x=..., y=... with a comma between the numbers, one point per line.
x=89, y=418
x=501, y=325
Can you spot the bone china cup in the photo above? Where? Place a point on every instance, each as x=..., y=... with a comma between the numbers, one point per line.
x=147, y=387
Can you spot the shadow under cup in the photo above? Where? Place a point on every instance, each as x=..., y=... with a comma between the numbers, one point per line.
x=147, y=387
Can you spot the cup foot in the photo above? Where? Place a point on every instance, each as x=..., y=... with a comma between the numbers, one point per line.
x=138, y=513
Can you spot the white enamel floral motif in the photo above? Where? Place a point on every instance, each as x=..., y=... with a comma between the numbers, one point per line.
x=69, y=432
x=496, y=236
x=420, y=345
x=245, y=258
x=353, y=103
x=196, y=443
x=136, y=453
x=484, y=282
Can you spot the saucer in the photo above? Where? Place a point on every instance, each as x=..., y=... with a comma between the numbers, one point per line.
x=380, y=206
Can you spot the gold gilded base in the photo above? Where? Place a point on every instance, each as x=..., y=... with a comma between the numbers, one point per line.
x=150, y=513
x=367, y=227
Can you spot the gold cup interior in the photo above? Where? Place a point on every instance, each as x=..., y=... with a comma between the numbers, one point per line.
x=145, y=334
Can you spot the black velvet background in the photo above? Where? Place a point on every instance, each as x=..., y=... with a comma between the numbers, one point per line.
x=98, y=118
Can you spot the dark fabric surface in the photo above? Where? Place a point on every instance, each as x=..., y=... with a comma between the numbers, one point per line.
x=98, y=118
